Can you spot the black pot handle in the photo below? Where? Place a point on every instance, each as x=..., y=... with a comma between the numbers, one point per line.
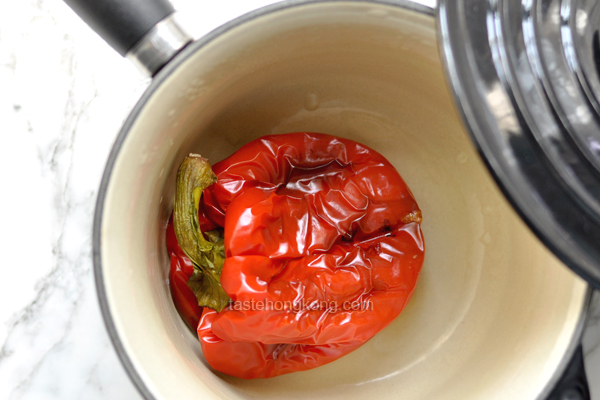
x=122, y=23
x=142, y=30
x=573, y=385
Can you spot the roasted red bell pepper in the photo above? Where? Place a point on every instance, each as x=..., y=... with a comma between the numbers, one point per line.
x=301, y=246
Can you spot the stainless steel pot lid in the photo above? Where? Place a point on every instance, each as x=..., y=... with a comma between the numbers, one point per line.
x=525, y=77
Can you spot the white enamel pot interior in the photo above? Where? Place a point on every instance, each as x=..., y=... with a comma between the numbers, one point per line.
x=494, y=315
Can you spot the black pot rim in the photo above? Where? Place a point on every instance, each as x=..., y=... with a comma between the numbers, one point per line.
x=157, y=81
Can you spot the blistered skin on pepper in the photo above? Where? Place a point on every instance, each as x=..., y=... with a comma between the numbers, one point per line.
x=250, y=360
x=308, y=219
x=379, y=274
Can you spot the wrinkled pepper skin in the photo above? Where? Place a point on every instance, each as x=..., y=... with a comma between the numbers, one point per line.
x=180, y=272
x=321, y=228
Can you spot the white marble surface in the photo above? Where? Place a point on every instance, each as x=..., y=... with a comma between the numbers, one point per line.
x=63, y=95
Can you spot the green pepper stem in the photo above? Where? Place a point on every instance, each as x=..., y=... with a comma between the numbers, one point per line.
x=208, y=256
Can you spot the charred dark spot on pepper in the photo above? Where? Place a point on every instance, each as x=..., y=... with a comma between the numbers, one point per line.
x=301, y=180
x=349, y=236
x=386, y=226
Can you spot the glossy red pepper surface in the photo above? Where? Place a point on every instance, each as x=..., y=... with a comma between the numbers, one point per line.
x=323, y=250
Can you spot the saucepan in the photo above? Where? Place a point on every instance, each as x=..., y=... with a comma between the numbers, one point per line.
x=495, y=314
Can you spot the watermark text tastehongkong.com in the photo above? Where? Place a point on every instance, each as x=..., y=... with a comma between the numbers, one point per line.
x=302, y=305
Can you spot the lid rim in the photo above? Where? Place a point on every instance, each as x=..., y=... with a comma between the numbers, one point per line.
x=505, y=141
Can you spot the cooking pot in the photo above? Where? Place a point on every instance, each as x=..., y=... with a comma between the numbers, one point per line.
x=495, y=315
